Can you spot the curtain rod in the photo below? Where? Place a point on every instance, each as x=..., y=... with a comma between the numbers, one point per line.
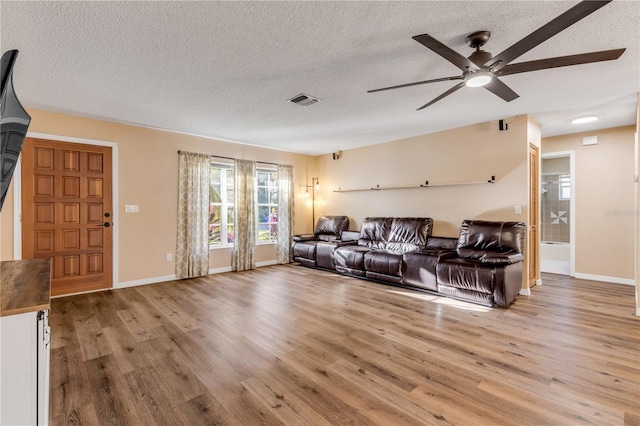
x=234, y=159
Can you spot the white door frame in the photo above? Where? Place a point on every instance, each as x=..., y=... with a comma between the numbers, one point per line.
x=572, y=202
x=17, y=195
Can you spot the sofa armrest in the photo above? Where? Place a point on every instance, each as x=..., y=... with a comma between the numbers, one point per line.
x=508, y=258
x=305, y=237
x=350, y=236
x=442, y=243
x=341, y=243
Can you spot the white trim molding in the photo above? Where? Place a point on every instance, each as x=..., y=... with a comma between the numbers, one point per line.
x=525, y=292
x=220, y=270
x=572, y=203
x=145, y=281
x=604, y=278
x=266, y=263
x=165, y=278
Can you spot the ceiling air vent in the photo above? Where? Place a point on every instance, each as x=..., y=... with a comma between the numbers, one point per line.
x=303, y=100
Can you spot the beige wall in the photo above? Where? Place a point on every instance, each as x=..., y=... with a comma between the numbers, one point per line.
x=147, y=176
x=148, y=169
x=603, y=200
x=472, y=153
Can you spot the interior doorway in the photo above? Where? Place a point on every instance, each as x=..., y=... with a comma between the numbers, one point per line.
x=557, y=211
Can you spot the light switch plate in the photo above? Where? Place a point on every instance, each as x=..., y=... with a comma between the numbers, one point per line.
x=517, y=209
x=131, y=208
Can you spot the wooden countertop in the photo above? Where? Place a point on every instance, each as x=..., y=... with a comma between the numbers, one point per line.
x=25, y=286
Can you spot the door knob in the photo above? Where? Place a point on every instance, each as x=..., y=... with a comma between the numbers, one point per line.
x=106, y=224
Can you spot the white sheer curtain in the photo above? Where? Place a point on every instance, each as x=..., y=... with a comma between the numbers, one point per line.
x=192, y=242
x=244, y=248
x=285, y=213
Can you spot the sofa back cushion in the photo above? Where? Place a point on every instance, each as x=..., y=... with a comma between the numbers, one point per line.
x=374, y=232
x=409, y=233
x=330, y=228
x=478, y=237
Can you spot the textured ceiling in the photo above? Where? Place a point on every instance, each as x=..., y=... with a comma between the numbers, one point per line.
x=225, y=69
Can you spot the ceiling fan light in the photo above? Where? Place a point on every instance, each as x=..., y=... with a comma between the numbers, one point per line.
x=478, y=79
x=585, y=119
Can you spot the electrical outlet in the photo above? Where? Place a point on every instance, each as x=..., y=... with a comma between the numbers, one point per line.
x=131, y=208
x=169, y=257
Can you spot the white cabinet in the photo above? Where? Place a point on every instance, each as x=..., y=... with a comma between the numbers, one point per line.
x=24, y=369
x=25, y=288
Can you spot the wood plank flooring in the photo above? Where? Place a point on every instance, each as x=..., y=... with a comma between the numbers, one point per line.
x=295, y=346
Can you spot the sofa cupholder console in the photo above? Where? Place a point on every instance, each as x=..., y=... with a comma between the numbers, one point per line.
x=483, y=265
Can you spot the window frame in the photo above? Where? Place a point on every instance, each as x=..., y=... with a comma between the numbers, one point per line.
x=224, y=205
x=564, y=184
x=268, y=204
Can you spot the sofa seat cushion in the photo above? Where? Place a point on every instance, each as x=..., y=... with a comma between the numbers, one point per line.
x=385, y=262
x=350, y=258
x=305, y=249
x=466, y=274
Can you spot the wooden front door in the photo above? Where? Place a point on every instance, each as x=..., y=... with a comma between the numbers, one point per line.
x=66, y=212
x=534, y=216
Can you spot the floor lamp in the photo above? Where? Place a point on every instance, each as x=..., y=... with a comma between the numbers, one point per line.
x=315, y=185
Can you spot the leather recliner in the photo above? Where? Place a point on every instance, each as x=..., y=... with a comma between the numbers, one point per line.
x=381, y=245
x=328, y=229
x=487, y=268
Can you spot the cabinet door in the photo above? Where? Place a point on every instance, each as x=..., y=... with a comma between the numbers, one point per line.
x=44, y=355
x=18, y=367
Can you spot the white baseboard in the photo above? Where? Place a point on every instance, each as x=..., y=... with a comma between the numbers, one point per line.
x=145, y=281
x=555, y=266
x=603, y=278
x=165, y=278
x=539, y=281
x=638, y=312
x=219, y=270
x=525, y=292
x=266, y=263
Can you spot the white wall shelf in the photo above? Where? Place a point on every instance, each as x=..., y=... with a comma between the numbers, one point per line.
x=426, y=184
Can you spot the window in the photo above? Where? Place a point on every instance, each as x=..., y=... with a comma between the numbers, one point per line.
x=565, y=187
x=221, y=211
x=267, y=206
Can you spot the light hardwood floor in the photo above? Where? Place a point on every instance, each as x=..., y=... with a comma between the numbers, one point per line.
x=296, y=346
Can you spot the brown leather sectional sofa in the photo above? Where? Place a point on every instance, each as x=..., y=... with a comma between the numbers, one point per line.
x=483, y=265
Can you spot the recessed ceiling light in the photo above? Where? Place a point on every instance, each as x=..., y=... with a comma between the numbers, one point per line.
x=585, y=119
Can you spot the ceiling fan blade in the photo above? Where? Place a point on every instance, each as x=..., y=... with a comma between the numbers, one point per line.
x=450, y=55
x=445, y=94
x=561, y=61
x=417, y=83
x=500, y=89
x=545, y=32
